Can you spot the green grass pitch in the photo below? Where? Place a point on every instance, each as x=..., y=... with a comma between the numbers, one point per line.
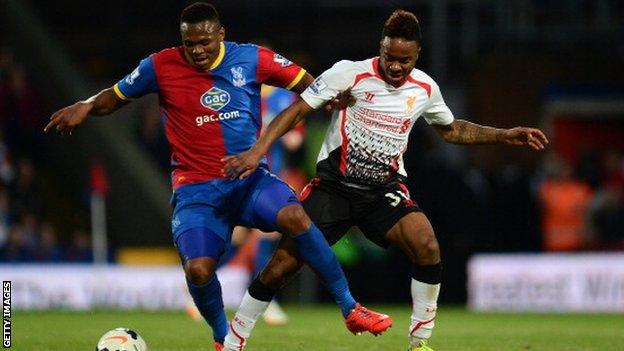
x=321, y=328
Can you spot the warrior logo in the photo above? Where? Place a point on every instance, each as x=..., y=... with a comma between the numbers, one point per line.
x=215, y=98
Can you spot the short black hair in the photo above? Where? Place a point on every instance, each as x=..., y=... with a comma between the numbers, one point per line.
x=199, y=12
x=402, y=24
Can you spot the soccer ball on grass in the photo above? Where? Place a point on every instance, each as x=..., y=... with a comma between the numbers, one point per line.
x=121, y=339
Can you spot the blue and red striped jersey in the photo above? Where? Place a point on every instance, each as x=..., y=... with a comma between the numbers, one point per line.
x=209, y=114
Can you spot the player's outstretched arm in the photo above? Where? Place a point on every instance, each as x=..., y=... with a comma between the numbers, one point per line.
x=244, y=164
x=464, y=132
x=68, y=118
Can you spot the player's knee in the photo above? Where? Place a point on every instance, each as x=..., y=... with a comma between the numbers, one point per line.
x=293, y=220
x=429, y=251
x=431, y=246
x=275, y=276
x=198, y=272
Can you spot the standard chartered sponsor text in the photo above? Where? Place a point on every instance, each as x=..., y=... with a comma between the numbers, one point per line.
x=379, y=116
x=392, y=124
x=222, y=116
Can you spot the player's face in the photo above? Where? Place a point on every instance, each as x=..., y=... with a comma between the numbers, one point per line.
x=397, y=58
x=201, y=42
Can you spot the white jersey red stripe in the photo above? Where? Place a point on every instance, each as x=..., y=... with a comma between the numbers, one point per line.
x=365, y=142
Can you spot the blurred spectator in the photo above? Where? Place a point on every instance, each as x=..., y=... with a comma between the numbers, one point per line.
x=286, y=154
x=5, y=215
x=29, y=229
x=614, y=168
x=151, y=135
x=606, y=212
x=6, y=167
x=79, y=249
x=606, y=218
x=6, y=62
x=564, y=201
x=47, y=249
x=23, y=236
x=25, y=193
x=15, y=248
x=588, y=168
x=23, y=112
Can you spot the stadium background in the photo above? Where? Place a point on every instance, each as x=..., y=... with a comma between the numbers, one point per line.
x=551, y=64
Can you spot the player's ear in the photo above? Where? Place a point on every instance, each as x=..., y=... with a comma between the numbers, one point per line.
x=417, y=51
x=221, y=33
x=382, y=45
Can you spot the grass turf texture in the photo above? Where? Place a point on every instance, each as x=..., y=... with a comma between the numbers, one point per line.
x=321, y=328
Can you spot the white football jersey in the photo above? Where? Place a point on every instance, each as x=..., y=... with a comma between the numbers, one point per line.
x=365, y=142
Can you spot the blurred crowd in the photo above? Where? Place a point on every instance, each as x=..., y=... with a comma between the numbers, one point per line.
x=582, y=202
x=26, y=234
x=150, y=133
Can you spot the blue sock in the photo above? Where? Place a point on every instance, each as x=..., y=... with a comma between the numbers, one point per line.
x=265, y=249
x=209, y=302
x=315, y=251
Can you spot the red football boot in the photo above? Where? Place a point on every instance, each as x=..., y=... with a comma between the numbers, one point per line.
x=361, y=319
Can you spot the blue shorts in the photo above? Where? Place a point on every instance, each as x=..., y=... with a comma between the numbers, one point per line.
x=215, y=207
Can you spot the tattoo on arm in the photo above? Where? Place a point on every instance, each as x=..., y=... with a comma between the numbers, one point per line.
x=464, y=132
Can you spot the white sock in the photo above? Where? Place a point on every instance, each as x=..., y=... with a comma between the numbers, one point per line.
x=244, y=321
x=424, y=306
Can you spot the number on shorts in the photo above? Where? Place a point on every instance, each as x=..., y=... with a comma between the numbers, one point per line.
x=395, y=199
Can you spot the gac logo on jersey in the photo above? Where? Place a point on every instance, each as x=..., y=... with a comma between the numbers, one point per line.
x=284, y=62
x=221, y=116
x=215, y=98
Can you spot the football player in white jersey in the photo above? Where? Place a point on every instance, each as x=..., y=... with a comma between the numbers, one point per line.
x=360, y=173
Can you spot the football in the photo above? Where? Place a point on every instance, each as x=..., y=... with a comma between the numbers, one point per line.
x=121, y=339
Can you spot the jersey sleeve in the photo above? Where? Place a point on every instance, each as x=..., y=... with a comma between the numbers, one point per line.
x=329, y=84
x=276, y=70
x=438, y=112
x=141, y=81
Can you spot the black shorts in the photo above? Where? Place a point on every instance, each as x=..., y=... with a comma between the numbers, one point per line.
x=335, y=208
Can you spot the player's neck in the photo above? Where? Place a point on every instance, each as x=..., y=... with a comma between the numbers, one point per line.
x=212, y=64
